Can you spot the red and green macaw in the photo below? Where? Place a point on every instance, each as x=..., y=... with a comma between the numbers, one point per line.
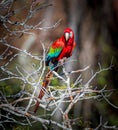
x=62, y=47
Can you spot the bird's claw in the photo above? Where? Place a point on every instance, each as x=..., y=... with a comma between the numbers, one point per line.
x=62, y=60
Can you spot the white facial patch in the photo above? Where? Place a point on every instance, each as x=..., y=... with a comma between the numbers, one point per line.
x=71, y=34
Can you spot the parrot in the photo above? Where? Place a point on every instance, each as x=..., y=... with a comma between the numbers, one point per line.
x=61, y=48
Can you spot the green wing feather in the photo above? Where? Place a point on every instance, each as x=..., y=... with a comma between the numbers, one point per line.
x=56, y=48
x=54, y=52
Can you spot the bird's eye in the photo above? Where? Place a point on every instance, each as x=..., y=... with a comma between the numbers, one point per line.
x=71, y=34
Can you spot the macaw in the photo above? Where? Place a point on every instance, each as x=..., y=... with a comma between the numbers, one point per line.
x=61, y=48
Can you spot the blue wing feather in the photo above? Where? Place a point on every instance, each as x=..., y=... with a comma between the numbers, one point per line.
x=54, y=51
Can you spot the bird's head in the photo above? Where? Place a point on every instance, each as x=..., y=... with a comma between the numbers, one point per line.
x=68, y=34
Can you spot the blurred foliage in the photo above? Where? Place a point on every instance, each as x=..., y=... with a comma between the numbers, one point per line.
x=10, y=87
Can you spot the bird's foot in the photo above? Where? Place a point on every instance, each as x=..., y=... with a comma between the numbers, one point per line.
x=62, y=60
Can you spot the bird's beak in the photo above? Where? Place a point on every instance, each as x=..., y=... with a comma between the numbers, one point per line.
x=66, y=36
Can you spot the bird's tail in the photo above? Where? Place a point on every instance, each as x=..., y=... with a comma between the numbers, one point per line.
x=45, y=84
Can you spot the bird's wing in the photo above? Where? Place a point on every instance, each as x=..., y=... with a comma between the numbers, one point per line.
x=56, y=49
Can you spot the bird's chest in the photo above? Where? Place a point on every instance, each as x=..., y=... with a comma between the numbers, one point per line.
x=67, y=50
x=68, y=47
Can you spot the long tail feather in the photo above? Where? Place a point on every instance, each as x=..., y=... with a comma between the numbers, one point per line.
x=45, y=84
